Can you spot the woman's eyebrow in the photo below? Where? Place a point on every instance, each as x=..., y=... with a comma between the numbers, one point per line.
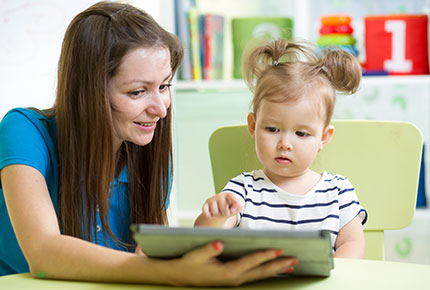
x=143, y=81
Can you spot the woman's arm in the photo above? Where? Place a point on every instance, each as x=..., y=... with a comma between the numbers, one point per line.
x=350, y=242
x=53, y=255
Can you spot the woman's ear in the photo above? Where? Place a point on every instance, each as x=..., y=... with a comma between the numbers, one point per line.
x=326, y=136
x=251, y=124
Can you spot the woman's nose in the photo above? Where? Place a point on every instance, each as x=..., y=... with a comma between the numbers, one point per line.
x=159, y=104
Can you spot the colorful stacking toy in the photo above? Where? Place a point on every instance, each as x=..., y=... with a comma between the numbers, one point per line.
x=336, y=31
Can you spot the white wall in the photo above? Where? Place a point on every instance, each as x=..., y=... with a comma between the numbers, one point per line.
x=31, y=33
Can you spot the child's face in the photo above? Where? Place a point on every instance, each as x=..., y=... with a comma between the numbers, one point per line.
x=288, y=136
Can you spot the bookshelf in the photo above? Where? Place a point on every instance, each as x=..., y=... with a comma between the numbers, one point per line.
x=202, y=106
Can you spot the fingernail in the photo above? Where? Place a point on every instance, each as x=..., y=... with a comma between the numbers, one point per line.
x=278, y=253
x=217, y=245
x=294, y=262
x=289, y=270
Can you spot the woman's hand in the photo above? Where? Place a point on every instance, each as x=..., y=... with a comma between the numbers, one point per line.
x=201, y=267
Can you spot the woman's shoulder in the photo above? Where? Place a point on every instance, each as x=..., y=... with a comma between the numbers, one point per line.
x=25, y=113
x=22, y=119
x=28, y=125
x=28, y=137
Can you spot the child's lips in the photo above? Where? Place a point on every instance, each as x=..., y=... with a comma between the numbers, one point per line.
x=283, y=160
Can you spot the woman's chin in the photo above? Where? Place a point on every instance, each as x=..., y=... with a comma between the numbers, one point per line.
x=141, y=141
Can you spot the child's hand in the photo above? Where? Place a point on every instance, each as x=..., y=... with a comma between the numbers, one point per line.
x=222, y=205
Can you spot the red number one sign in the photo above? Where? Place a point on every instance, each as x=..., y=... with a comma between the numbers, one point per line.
x=397, y=44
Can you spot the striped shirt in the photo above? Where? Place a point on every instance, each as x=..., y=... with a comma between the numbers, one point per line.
x=329, y=205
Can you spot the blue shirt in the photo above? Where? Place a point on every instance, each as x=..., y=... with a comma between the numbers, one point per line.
x=29, y=138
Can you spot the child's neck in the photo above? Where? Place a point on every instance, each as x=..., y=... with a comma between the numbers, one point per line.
x=300, y=184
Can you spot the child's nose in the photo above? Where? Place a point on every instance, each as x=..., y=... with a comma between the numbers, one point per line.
x=285, y=144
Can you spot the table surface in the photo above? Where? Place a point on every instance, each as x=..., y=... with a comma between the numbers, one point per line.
x=348, y=274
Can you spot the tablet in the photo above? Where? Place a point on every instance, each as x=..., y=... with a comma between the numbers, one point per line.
x=312, y=248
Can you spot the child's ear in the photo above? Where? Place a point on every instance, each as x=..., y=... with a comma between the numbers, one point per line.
x=251, y=124
x=326, y=136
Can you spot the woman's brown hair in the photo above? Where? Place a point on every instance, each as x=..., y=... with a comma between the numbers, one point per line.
x=94, y=44
x=287, y=71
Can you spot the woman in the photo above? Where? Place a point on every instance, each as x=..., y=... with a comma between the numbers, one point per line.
x=74, y=177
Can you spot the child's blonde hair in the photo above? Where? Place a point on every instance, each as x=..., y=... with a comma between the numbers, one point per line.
x=287, y=71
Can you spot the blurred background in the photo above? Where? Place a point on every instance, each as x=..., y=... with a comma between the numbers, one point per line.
x=209, y=92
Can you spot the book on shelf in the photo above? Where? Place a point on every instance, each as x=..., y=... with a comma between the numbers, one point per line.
x=193, y=20
x=218, y=43
x=214, y=47
x=202, y=47
x=208, y=47
x=183, y=32
x=202, y=35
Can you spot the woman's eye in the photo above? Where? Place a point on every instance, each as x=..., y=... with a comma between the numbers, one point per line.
x=301, y=134
x=164, y=87
x=272, y=129
x=137, y=93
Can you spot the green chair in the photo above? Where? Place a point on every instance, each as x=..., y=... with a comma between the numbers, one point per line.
x=381, y=158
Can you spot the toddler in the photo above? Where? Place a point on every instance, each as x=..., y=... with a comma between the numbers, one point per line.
x=294, y=90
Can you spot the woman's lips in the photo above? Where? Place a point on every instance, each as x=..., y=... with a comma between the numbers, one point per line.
x=146, y=126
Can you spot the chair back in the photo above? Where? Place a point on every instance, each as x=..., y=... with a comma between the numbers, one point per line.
x=380, y=158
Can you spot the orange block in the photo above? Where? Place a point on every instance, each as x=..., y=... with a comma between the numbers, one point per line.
x=335, y=19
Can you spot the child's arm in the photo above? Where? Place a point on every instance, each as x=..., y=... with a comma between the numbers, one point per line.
x=220, y=211
x=350, y=242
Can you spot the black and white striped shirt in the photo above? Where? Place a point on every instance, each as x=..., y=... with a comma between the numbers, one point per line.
x=329, y=205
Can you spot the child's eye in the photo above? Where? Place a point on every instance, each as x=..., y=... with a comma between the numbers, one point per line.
x=164, y=87
x=301, y=134
x=272, y=129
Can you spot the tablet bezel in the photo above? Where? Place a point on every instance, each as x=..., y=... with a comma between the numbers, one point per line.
x=312, y=248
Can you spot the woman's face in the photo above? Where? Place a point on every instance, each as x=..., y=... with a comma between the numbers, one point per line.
x=139, y=94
